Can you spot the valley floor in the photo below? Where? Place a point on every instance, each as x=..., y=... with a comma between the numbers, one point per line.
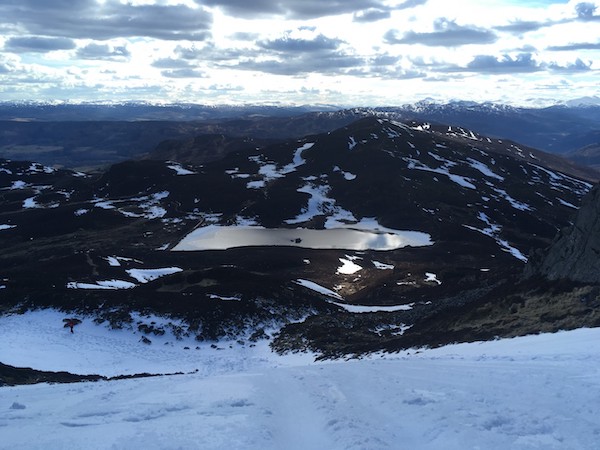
x=535, y=392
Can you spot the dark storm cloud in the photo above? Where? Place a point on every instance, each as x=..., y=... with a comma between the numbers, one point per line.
x=447, y=33
x=88, y=19
x=576, y=46
x=103, y=52
x=37, y=44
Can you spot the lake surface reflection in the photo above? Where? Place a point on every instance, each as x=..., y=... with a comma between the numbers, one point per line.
x=215, y=237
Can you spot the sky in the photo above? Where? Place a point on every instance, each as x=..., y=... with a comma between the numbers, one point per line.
x=299, y=52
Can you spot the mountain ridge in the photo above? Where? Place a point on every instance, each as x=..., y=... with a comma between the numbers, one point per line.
x=106, y=245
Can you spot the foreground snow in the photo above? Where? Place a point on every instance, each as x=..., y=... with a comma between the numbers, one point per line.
x=537, y=392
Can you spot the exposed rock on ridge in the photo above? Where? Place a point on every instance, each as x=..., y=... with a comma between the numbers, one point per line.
x=575, y=254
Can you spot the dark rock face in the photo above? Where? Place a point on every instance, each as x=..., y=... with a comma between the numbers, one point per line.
x=575, y=254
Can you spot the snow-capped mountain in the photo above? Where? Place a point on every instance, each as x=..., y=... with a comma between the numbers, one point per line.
x=377, y=227
x=557, y=129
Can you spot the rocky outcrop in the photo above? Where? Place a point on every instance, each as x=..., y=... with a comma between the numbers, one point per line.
x=575, y=253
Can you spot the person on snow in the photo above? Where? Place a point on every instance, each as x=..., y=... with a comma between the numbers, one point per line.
x=71, y=323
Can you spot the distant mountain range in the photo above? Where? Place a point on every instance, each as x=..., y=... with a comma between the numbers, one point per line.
x=98, y=135
x=379, y=234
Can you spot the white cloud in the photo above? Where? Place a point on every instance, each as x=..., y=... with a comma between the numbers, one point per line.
x=351, y=52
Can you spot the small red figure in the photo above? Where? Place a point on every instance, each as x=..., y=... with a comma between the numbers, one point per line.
x=71, y=323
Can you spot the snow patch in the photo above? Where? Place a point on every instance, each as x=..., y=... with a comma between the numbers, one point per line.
x=565, y=203
x=30, y=203
x=351, y=143
x=493, y=230
x=443, y=170
x=347, y=175
x=348, y=267
x=359, y=309
x=220, y=297
x=382, y=266
x=431, y=277
x=180, y=170
x=484, y=169
x=106, y=284
x=147, y=275
x=18, y=184
x=318, y=288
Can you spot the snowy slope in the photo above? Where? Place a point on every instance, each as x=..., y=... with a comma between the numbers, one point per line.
x=536, y=392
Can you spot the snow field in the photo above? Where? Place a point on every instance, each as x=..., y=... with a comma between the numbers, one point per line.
x=38, y=340
x=537, y=392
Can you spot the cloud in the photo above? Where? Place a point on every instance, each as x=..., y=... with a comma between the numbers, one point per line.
x=586, y=10
x=38, y=44
x=447, y=33
x=575, y=46
x=192, y=52
x=380, y=13
x=398, y=73
x=410, y=4
x=523, y=26
x=298, y=52
x=103, y=52
x=334, y=63
x=300, y=45
x=577, y=66
x=293, y=9
x=88, y=19
x=385, y=60
x=211, y=53
x=371, y=15
x=506, y=64
x=522, y=63
x=243, y=36
x=183, y=73
x=171, y=63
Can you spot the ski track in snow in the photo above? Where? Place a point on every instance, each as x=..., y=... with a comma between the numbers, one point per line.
x=538, y=392
x=535, y=392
